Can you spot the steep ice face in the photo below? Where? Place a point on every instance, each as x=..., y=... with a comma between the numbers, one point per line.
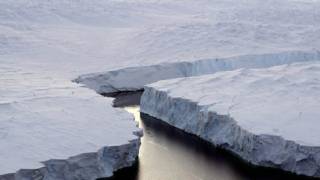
x=134, y=78
x=53, y=129
x=269, y=117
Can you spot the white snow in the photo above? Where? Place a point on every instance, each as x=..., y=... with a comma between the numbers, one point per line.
x=45, y=118
x=45, y=44
x=62, y=35
x=281, y=103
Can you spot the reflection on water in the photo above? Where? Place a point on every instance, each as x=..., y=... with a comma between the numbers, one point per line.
x=167, y=153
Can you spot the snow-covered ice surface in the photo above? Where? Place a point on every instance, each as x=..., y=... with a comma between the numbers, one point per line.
x=105, y=35
x=51, y=128
x=268, y=117
x=45, y=44
x=186, y=31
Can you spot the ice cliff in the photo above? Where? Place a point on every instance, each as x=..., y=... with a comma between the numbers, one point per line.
x=268, y=117
x=134, y=78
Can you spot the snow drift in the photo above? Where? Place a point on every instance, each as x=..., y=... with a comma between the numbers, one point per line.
x=268, y=117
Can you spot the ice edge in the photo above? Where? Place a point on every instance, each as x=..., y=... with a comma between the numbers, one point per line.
x=84, y=166
x=293, y=157
x=134, y=78
x=223, y=131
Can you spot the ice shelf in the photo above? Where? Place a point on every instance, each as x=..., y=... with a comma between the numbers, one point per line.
x=268, y=117
x=53, y=129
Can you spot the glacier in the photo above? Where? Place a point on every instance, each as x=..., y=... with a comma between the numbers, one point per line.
x=268, y=117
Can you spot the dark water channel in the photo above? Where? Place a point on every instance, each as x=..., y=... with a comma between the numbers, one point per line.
x=167, y=153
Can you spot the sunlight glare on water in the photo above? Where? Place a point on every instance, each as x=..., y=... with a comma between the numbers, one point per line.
x=162, y=157
x=167, y=153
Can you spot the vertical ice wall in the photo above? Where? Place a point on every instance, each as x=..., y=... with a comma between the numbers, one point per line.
x=134, y=78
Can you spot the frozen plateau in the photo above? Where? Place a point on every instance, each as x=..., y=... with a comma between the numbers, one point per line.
x=57, y=55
